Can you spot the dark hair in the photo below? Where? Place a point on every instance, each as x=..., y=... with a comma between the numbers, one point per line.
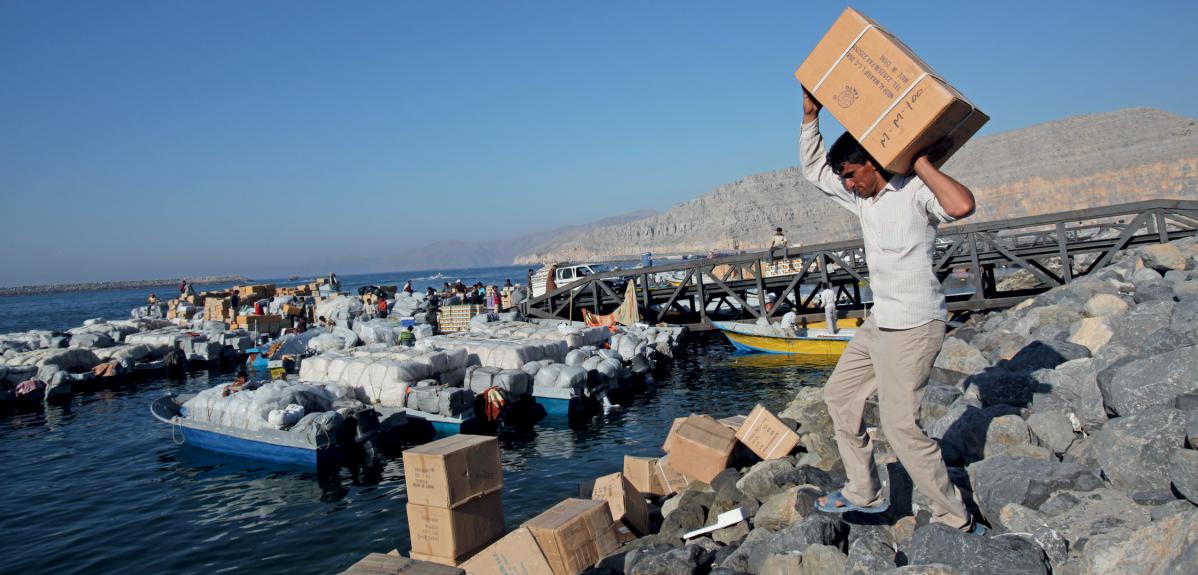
x=848, y=149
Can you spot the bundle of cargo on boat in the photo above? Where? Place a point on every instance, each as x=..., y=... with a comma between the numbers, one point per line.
x=383, y=376
x=574, y=336
x=274, y=405
x=500, y=352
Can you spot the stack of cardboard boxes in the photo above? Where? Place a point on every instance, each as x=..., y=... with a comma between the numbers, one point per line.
x=218, y=308
x=455, y=490
x=252, y=293
x=269, y=323
x=699, y=447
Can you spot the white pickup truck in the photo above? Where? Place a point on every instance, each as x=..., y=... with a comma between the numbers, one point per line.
x=566, y=274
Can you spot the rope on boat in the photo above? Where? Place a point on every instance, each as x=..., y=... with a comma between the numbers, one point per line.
x=175, y=438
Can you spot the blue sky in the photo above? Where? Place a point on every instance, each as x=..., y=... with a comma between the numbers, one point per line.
x=165, y=138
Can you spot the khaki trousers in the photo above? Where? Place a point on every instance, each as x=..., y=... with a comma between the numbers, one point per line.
x=895, y=364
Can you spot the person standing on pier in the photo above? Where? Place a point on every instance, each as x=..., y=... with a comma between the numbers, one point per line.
x=778, y=245
x=892, y=352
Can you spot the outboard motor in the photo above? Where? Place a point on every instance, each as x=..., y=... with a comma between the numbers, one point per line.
x=367, y=434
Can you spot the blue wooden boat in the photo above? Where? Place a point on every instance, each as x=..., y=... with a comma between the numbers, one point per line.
x=444, y=424
x=555, y=401
x=277, y=446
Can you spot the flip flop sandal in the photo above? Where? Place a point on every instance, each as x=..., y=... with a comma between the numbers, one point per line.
x=836, y=502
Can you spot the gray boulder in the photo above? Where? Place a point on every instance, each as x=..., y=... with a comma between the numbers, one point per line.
x=1163, y=257
x=1053, y=430
x=936, y=401
x=1167, y=547
x=957, y=355
x=869, y=554
x=684, y=561
x=818, y=529
x=1185, y=316
x=1045, y=354
x=973, y=555
x=1157, y=289
x=761, y=479
x=961, y=432
x=1106, y=305
x=809, y=475
x=1007, y=433
x=999, y=385
x=1183, y=473
x=738, y=560
x=1080, y=516
x=1020, y=519
x=1134, y=451
x=933, y=569
x=1000, y=480
x=782, y=509
x=814, y=560
x=1171, y=508
x=729, y=498
x=1140, y=383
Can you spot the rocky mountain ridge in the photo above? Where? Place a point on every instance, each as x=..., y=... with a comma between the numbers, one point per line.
x=1078, y=162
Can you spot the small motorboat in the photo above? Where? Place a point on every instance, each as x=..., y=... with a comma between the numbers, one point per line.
x=445, y=424
x=276, y=445
x=815, y=339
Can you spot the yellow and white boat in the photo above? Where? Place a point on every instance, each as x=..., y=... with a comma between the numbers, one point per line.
x=815, y=339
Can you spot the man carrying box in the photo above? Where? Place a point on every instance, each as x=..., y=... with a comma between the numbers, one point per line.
x=892, y=353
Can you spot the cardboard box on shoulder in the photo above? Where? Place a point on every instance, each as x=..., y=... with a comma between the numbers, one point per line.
x=625, y=501
x=389, y=564
x=449, y=536
x=574, y=534
x=702, y=448
x=516, y=554
x=884, y=95
x=452, y=471
x=766, y=435
x=651, y=476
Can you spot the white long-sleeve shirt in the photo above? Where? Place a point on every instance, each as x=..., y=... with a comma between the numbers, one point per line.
x=898, y=225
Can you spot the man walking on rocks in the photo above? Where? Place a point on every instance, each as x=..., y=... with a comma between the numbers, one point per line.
x=893, y=351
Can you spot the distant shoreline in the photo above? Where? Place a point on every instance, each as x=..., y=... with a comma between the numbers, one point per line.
x=115, y=285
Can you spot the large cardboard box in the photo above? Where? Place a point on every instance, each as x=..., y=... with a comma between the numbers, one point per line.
x=670, y=436
x=451, y=471
x=574, y=534
x=625, y=501
x=883, y=94
x=388, y=564
x=450, y=535
x=702, y=448
x=516, y=554
x=651, y=476
x=766, y=435
x=271, y=324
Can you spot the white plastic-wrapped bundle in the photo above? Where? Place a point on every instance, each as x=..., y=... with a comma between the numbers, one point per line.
x=251, y=409
x=577, y=356
x=454, y=401
x=340, y=309
x=394, y=394
x=512, y=381
x=378, y=331
x=591, y=363
x=610, y=368
x=66, y=359
x=481, y=378
x=453, y=377
x=286, y=417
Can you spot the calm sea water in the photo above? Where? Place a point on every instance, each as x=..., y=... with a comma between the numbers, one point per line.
x=98, y=486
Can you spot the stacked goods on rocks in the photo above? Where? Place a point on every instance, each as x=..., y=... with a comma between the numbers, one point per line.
x=501, y=353
x=574, y=534
x=454, y=488
x=265, y=324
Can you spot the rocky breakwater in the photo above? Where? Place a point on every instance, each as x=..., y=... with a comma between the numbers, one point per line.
x=1070, y=423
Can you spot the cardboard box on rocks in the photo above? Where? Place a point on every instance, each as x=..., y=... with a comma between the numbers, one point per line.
x=626, y=502
x=651, y=476
x=766, y=435
x=449, y=536
x=517, y=553
x=574, y=534
x=452, y=471
x=884, y=95
x=388, y=564
x=701, y=447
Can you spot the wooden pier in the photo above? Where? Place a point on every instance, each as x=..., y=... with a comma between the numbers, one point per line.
x=970, y=261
